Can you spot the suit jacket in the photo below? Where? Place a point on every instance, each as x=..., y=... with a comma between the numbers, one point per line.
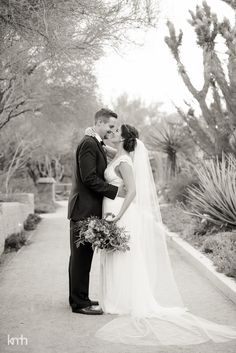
x=88, y=183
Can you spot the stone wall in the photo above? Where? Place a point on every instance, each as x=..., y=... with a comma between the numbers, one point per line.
x=14, y=210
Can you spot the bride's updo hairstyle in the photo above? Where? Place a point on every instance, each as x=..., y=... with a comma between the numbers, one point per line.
x=129, y=134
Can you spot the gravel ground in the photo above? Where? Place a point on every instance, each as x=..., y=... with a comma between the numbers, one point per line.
x=34, y=299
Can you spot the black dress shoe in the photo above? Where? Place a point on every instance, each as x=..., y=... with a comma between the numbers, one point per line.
x=89, y=310
x=94, y=302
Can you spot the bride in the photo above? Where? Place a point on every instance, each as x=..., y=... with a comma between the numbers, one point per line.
x=138, y=285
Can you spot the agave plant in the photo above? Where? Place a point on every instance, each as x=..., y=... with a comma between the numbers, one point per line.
x=215, y=197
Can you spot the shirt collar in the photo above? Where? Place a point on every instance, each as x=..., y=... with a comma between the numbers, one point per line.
x=98, y=137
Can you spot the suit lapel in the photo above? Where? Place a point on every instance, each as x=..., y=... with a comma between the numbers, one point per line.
x=101, y=149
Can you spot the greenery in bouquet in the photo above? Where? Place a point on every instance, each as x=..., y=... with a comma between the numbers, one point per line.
x=102, y=234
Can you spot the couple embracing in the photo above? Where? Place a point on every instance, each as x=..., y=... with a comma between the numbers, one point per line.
x=137, y=285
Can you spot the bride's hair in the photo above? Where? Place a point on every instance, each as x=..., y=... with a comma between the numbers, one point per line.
x=129, y=134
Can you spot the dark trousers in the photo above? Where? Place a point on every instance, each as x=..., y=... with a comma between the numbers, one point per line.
x=79, y=270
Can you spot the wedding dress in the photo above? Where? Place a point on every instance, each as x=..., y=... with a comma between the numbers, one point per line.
x=138, y=285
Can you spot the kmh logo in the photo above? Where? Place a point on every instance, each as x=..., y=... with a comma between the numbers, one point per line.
x=17, y=341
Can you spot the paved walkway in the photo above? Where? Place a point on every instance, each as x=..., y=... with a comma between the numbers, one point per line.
x=34, y=300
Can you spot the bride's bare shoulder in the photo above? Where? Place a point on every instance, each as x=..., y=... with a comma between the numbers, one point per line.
x=125, y=158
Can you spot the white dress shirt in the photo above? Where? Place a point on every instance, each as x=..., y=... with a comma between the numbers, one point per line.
x=98, y=137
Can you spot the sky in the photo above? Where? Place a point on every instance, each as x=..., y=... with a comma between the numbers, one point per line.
x=149, y=71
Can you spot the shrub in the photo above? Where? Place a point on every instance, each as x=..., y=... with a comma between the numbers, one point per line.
x=222, y=250
x=215, y=197
x=32, y=221
x=45, y=207
x=176, y=220
x=15, y=241
x=178, y=187
x=206, y=227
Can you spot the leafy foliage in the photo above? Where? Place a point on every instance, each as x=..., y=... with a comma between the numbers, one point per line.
x=32, y=221
x=177, y=188
x=49, y=48
x=222, y=250
x=15, y=153
x=215, y=198
x=47, y=55
x=135, y=111
x=15, y=241
x=171, y=140
x=101, y=234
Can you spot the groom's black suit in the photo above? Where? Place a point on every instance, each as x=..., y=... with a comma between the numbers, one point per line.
x=88, y=190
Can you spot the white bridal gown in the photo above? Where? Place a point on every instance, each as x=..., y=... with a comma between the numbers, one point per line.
x=148, y=305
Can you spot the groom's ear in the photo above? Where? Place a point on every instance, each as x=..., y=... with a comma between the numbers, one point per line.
x=98, y=122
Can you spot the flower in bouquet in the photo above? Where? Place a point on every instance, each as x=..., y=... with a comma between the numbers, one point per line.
x=101, y=234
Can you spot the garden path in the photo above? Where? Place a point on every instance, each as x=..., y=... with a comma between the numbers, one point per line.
x=34, y=299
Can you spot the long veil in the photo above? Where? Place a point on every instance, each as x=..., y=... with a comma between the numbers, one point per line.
x=151, y=232
x=157, y=314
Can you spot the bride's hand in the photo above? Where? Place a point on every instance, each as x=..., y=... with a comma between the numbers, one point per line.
x=116, y=219
x=90, y=131
x=110, y=217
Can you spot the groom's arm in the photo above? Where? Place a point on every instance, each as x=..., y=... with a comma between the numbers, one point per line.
x=88, y=171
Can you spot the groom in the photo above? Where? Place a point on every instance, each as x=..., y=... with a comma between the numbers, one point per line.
x=88, y=190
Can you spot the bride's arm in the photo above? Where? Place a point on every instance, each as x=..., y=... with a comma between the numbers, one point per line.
x=126, y=172
x=111, y=152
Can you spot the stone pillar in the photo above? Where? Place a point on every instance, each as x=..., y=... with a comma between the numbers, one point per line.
x=46, y=195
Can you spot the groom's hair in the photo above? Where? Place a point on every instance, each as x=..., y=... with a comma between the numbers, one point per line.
x=104, y=114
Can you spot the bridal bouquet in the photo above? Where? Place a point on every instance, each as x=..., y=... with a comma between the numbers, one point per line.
x=101, y=234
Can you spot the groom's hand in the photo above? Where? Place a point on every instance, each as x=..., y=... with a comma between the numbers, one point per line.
x=90, y=131
x=121, y=191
